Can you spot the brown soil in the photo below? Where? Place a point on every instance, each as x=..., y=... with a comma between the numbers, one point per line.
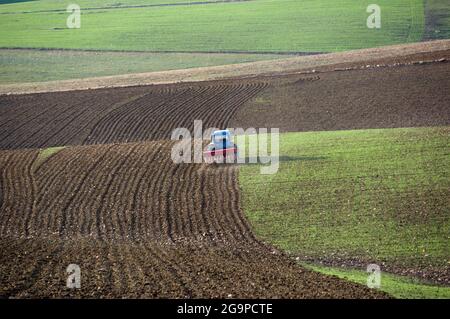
x=118, y=115
x=383, y=97
x=379, y=97
x=139, y=226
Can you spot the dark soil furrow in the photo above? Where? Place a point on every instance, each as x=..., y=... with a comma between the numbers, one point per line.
x=101, y=214
x=176, y=115
x=18, y=193
x=70, y=195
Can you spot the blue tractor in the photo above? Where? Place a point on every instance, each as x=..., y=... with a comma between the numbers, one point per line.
x=221, y=149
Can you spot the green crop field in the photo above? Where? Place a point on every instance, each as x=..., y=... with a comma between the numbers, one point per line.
x=257, y=25
x=370, y=195
x=192, y=27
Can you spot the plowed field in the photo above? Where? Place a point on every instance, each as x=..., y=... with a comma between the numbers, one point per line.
x=138, y=226
x=107, y=116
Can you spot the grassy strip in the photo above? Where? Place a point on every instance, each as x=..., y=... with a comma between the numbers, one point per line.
x=397, y=286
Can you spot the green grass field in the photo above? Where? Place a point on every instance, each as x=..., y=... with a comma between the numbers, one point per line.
x=49, y=65
x=258, y=25
x=371, y=195
x=159, y=26
x=396, y=286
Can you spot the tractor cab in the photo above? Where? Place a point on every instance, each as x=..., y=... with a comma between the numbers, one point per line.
x=221, y=139
x=221, y=149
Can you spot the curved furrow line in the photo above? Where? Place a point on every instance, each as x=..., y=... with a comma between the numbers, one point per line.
x=49, y=170
x=153, y=194
x=54, y=133
x=65, y=191
x=234, y=211
x=92, y=202
x=206, y=104
x=191, y=185
x=234, y=206
x=150, y=125
x=68, y=126
x=13, y=127
x=139, y=200
x=7, y=189
x=199, y=203
x=131, y=121
x=122, y=117
x=144, y=126
x=100, y=121
x=221, y=206
x=208, y=205
x=75, y=206
x=163, y=185
x=166, y=120
x=228, y=226
x=113, y=128
x=218, y=210
x=120, y=200
x=83, y=131
x=108, y=190
x=29, y=138
x=184, y=196
x=237, y=211
x=141, y=203
x=177, y=116
x=219, y=103
x=52, y=188
x=19, y=193
x=34, y=192
x=55, y=110
x=227, y=104
x=208, y=112
x=53, y=174
x=73, y=124
x=5, y=158
x=171, y=189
